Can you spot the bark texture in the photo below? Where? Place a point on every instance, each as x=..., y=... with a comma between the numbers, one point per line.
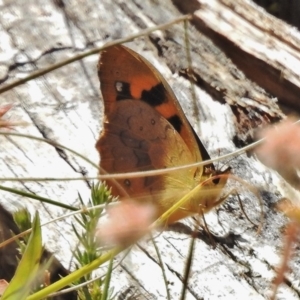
x=245, y=67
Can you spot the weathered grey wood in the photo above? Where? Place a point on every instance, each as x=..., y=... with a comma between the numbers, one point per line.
x=265, y=48
x=64, y=106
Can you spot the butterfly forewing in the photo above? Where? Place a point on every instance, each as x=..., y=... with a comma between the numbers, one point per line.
x=126, y=75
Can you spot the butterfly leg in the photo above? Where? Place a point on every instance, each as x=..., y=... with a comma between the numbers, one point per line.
x=235, y=192
x=210, y=235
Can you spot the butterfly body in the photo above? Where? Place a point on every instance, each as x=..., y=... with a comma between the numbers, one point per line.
x=146, y=129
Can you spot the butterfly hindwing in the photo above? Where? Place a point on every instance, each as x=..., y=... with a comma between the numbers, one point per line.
x=138, y=138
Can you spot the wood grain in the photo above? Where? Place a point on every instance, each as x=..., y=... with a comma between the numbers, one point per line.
x=235, y=88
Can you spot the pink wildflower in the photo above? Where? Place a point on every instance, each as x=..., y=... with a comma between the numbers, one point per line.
x=127, y=222
x=281, y=150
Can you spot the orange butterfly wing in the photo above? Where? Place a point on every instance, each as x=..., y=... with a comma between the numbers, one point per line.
x=124, y=74
x=146, y=129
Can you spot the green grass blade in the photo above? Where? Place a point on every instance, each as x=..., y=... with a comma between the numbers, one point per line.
x=105, y=292
x=75, y=275
x=27, y=271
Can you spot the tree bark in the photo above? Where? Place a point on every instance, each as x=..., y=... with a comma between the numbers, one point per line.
x=246, y=75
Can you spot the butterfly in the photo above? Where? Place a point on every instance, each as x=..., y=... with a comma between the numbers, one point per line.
x=146, y=129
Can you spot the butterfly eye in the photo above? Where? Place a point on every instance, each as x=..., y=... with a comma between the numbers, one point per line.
x=216, y=181
x=127, y=182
